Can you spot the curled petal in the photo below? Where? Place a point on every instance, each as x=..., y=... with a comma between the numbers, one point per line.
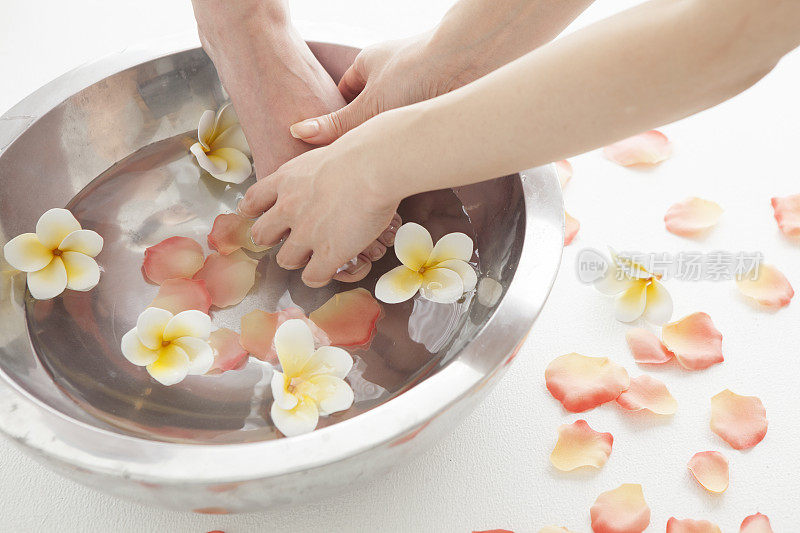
x=622, y=510
x=741, y=421
x=571, y=227
x=614, y=280
x=280, y=394
x=25, y=252
x=84, y=241
x=398, y=285
x=213, y=165
x=413, y=245
x=190, y=323
x=228, y=352
x=231, y=232
x=176, y=257
x=83, y=274
x=228, y=277
x=294, y=344
x=176, y=295
x=579, y=445
x=301, y=419
x=770, y=287
x=54, y=225
x=332, y=394
x=710, y=469
x=787, y=214
x=258, y=331
x=237, y=167
x=171, y=367
x=687, y=525
x=658, y=308
x=451, y=246
x=469, y=278
x=349, y=317
x=48, y=282
x=225, y=118
x=648, y=393
x=564, y=169
x=201, y=356
x=233, y=137
x=694, y=340
x=150, y=326
x=441, y=285
x=755, y=523
x=692, y=216
x=581, y=383
x=631, y=303
x=329, y=360
x=646, y=347
x=648, y=148
x=205, y=128
x=136, y=352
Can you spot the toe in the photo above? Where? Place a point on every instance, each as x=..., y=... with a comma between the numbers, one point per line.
x=355, y=272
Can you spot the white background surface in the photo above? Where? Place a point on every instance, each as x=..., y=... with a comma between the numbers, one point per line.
x=493, y=471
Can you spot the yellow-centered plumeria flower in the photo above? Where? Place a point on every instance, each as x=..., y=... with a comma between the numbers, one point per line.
x=638, y=293
x=312, y=382
x=170, y=346
x=58, y=256
x=440, y=273
x=222, y=149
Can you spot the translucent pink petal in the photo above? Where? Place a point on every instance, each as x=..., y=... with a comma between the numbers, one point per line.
x=259, y=327
x=756, y=523
x=579, y=445
x=349, y=317
x=687, y=525
x=176, y=295
x=648, y=393
x=228, y=352
x=228, y=277
x=710, y=469
x=787, y=213
x=571, y=227
x=564, y=169
x=176, y=257
x=770, y=287
x=231, y=232
x=648, y=148
x=646, y=347
x=741, y=421
x=622, y=510
x=581, y=383
x=694, y=340
x=692, y=216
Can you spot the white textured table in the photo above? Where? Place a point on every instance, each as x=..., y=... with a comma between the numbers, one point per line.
x=493, y=471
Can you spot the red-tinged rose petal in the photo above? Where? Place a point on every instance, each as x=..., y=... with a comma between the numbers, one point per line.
x=228, y=352
x=176, y=257
x=571, y=227
x=176, y=295
x=692, y=216
x=259, y=327
x=622, y=510
x=494, y=531
x=768, y=286
x=349, y=317
x=231, y=232
x=228, y=277
x=579, y=445
x=787, y=213
x=564, y=169
x=694, y=340
x=756, y=523
x=648, y=148
x=646, y=347
x=581, y=383
x=710, y=469
x=648, y=393
x=687, y=525
x=741, y=421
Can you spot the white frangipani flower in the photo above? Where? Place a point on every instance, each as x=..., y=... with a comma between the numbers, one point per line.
x=58, y=256
x=440, y=273
x=170, y=346
x=312, y=382
x=222, y=149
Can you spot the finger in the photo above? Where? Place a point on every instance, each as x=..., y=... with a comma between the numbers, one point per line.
x=352, y=82
x=321, y=268
x=292, y=255
x=270, y=228
x=388, y=235
x=355, y=272
x=259, y=197
x=328, y=128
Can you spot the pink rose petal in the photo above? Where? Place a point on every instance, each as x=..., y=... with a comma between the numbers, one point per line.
x=581, y=383
x=571, y=227
x=648, y=148
x=687, y=525
x=648, y=393
x=228, y=277
x=349, y=318
x=710, y=469
x=228, y=352
x=579, y=445
x=622, y=510
x=176, y=257
x=787, y=213
x=259, y=327
x=231, y=232
x=564, y=169
x=770, y=287
x=694, y=340
x=741, y=421
x=176, y=295
x=756, y=523
x=692, y=216
x=646, y=347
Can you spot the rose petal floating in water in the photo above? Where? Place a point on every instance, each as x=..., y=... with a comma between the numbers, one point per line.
x=564, y=169
x=228, y=352
x=694, y=340
x=571, y=227
x=756, y=523
x=231, y=232
x=349, y=317
x=648, y=393
x=581, y=383
x=646, y=347
x=579, y=445
x=787, y=213
x=176, y=295
x=710, y=469
x=648, y=148
x=259, y=327
x=692, y=216
x=687, y=525
x=228, y=277
x=770, y=287
x=622, y=510
x=176, y=257
x=741, y=421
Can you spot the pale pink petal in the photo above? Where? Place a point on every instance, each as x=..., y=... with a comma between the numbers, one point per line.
x=648, y=148
x=741, y=421
x=622, y=510
x=231, y=232
x=710, y=469
x=694, y=340
x=687, y=525
x=692, y=216
x=770, y=287
x=648, y=393
x=571, y=227
x=646, y=347
x=755, y=523
x=581, y=383
x=579, y=445
x=258, y=332
x=176, y=257
x=349, y=317
x=176, y=295
x=228, y=277
x=564, y=169
x=787, y=213
x=228, y=352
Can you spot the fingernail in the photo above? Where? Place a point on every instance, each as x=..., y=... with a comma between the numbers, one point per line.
x=357, y=266
x=305, y=129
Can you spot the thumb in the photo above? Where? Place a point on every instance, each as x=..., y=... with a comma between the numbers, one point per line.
x=328, y=128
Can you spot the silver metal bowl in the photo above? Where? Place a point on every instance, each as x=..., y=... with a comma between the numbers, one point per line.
x=107, y=140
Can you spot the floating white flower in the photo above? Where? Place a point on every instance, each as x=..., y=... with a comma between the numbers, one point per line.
x=312, y=382
x=170, y=346
x=58, y=256
x=440, y=273
x=222, y=149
